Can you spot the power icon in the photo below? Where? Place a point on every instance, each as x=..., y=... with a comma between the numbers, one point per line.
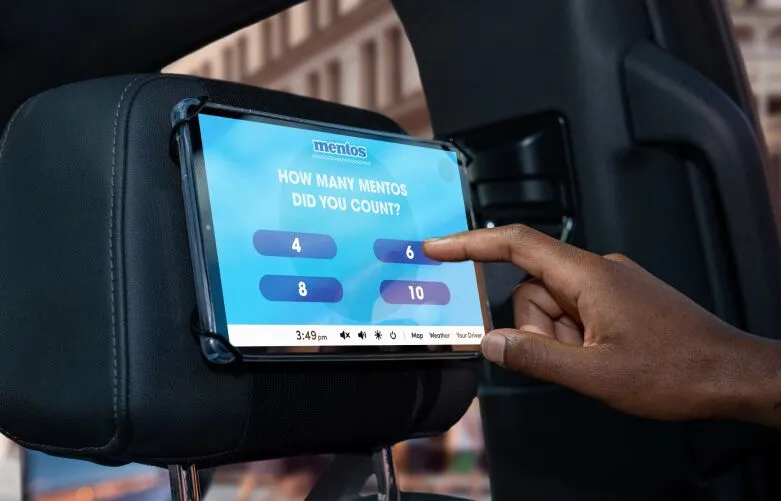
x=393, y=335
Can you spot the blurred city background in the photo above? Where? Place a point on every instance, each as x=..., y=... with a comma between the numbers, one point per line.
x=354, y=52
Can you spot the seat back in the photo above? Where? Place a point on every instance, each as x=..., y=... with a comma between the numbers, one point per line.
x=96, y=299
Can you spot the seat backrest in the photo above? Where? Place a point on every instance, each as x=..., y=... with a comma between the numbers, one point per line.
x=98, y=360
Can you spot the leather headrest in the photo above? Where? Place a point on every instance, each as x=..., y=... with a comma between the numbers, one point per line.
x=96, y=296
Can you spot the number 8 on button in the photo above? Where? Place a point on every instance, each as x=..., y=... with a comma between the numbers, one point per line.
x=292, y=289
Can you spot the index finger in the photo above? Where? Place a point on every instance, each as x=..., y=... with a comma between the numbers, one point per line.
x=555, y=263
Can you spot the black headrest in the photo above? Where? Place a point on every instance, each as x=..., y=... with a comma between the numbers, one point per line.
x=96, y=296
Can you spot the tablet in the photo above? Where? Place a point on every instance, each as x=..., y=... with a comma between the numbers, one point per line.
x=306, y=239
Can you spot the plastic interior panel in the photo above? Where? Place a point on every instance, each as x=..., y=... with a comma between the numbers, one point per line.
x=567, y=57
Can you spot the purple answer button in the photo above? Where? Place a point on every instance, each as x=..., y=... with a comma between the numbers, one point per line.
x=410, y=292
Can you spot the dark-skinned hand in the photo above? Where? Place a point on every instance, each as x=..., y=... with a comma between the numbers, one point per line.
x=606, y=328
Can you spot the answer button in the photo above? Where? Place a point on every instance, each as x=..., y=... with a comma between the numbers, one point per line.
x=412, y=292
x=282, y=288
x=402, y=252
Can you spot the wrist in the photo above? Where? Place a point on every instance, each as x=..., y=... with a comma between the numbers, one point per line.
x=770, y=410
x=756, y=373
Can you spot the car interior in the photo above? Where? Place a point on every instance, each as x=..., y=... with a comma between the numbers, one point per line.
x=614, y=125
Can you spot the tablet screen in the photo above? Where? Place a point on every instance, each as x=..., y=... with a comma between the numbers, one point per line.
x=314, y=237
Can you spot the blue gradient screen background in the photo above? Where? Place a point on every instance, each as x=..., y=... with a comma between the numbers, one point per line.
x=242, y=159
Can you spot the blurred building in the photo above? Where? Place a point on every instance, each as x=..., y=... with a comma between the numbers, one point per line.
x=758, y=30
x=355, y=52
x=349, y=51
x=10, y=471
x=8, y=449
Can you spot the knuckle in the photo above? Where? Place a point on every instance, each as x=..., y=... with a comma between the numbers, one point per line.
x=621, y=259
x=607, y=266
x=595, y=268
x=517, y=232
x=526, y=354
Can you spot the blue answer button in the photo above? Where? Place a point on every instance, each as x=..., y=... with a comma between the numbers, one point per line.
x=402, y=252
x=291, y=244
x=290, y=289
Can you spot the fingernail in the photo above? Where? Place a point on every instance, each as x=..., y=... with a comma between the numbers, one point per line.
x=432, y=240
x=493, y=348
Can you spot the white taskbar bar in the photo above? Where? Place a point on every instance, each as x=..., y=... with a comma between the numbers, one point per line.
x=246, y=336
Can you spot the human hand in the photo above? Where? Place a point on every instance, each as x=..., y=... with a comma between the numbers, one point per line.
x=608, y=329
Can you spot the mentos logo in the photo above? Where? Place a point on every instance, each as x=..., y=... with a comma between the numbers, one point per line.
x=345, y=149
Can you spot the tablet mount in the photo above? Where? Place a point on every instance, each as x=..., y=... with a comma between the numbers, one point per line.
x=344, y=479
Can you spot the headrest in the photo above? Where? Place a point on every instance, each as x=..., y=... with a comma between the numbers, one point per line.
x=96, y=296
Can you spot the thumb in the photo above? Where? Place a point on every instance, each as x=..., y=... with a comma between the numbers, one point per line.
x=541, y=357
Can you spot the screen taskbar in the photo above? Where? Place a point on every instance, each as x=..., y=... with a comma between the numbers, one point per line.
x=353, y=335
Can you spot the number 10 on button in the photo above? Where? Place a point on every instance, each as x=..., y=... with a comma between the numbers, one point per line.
x=410, y=292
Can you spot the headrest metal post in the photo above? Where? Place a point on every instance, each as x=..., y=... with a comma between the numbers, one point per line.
x=185, y=483
x=385, y=471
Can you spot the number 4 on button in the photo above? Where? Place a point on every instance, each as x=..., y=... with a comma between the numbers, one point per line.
x=296, y=245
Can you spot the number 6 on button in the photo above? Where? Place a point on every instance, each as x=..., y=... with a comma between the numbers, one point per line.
x=402, y=252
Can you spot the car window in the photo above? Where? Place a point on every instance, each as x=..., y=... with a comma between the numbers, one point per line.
x=348, y=51
x=758, y=31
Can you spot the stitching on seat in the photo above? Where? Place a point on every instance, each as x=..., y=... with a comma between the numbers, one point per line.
x=11, y=124
x=115, y=389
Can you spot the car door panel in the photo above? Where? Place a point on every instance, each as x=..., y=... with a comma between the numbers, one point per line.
x=679, y=186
